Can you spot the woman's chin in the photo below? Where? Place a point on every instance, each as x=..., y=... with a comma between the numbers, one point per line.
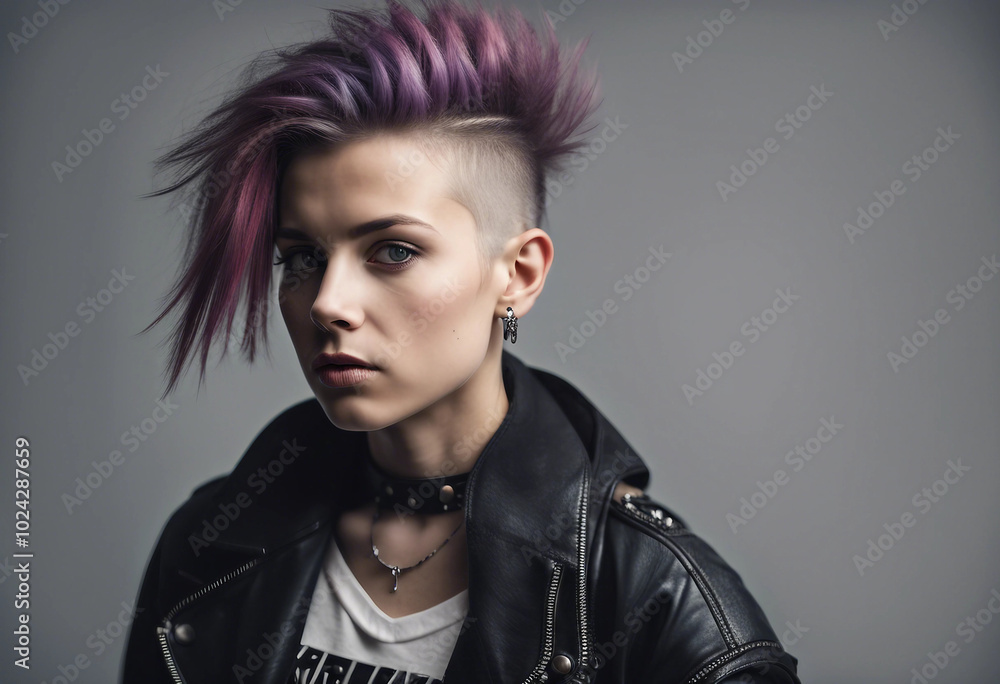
x=353, y=413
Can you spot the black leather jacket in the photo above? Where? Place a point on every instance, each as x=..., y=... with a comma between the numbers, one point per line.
x=565, y=583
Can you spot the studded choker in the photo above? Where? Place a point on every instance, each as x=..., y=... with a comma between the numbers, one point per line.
x=416, y=495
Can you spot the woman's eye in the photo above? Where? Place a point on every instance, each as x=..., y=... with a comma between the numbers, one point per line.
x=398, y=254
x=300, y=261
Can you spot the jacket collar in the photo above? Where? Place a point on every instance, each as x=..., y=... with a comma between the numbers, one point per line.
x=552, y=456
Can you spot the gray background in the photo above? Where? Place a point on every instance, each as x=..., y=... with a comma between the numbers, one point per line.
x=653, y=185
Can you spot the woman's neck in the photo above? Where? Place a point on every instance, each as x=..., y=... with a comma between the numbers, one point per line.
x=447, y=437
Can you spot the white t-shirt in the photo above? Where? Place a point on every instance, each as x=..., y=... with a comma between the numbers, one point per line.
x=349, y=640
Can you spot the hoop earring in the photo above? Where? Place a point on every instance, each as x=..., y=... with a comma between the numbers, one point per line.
x=510, y=326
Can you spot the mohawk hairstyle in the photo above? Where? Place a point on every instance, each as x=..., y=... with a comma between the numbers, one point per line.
x=483, y=91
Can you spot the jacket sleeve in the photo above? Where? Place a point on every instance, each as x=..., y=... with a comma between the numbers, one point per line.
x=703, y=624
x=727, y=643
x=143, y=661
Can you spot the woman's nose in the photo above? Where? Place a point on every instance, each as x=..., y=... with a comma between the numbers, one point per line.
x=338, y=299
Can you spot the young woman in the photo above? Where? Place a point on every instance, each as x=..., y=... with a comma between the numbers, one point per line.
x=438, y=511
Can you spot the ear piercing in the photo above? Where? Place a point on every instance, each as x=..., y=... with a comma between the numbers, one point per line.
x=510, y=326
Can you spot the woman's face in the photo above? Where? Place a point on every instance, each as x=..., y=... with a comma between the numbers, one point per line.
x=404, y=297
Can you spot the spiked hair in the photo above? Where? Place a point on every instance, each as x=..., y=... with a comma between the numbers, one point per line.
x=482, y=91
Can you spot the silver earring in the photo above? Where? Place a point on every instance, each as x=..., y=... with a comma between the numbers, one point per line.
x=510, y=326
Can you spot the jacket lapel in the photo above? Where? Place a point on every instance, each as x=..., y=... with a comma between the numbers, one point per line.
x=523, y=504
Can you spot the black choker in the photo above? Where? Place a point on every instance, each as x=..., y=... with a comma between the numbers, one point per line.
x=416, y=495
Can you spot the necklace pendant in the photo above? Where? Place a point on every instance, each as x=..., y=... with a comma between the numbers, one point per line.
x=395, y=577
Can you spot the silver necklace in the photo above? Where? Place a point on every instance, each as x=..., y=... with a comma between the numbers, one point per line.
x=396, y=570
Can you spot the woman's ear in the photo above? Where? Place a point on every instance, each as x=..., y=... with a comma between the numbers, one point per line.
x=529, y=257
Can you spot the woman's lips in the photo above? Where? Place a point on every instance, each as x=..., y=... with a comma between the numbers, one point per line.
x=343, y=376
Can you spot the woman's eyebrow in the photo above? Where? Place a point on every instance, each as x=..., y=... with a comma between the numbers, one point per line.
x=362, y=229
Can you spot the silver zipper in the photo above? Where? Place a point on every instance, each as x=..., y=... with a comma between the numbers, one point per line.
x=550, y=609
x=165, y=626
x=537, y=675
x=582, y=563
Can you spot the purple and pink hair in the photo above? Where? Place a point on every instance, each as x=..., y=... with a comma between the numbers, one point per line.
x=487, y=84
